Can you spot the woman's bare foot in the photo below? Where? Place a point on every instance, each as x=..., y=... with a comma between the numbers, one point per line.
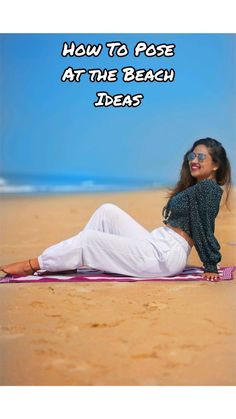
x=26, y=267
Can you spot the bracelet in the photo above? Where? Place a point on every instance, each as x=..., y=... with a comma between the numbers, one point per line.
x=34, y=270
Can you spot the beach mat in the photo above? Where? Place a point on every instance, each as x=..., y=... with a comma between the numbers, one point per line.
x=190, y=273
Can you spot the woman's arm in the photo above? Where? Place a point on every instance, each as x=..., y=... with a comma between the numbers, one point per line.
x=204, y=199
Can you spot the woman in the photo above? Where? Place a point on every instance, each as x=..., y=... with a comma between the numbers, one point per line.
x=113, y=241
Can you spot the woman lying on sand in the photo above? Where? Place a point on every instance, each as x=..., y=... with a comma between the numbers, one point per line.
x=114, y=242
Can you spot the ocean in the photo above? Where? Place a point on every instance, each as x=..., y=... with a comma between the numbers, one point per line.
x=24, y=184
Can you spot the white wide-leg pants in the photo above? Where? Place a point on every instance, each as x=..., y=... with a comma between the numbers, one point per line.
x=112, y=241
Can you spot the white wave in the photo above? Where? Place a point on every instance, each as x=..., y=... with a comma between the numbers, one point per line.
x=17, y=188
x=84, y=186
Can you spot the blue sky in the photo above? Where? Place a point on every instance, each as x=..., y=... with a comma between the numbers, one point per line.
x=50, y=127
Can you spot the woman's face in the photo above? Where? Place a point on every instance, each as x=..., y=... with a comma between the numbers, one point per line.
x=205, y=169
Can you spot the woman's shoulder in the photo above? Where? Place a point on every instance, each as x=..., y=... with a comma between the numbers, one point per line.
x=202, y=189
x=206, y=186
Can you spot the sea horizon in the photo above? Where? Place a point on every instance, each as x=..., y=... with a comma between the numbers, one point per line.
x=25, y=184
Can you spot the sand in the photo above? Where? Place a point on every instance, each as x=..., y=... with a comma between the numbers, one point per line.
x=141, y=333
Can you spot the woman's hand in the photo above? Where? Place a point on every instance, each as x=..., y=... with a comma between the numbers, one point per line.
x=211, y=276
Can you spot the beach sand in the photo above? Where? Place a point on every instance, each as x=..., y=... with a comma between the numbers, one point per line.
x=141, y=333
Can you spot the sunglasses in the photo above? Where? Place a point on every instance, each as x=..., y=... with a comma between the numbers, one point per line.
x=191, y=156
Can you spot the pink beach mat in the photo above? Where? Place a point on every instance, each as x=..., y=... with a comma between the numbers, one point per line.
x=190, y=273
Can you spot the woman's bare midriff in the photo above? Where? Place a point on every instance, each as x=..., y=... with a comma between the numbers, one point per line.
x=182, y=233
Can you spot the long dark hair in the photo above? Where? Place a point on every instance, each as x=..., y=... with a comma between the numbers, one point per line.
x=222, y=174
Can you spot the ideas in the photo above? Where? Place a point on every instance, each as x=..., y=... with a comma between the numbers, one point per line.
x=104, y=99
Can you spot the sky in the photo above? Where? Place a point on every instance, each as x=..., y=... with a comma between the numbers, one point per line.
x=52, y=127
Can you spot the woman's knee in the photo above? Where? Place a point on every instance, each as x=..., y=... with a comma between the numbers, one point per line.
x=109, y=207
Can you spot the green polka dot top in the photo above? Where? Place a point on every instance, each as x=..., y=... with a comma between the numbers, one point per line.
x=194, y=210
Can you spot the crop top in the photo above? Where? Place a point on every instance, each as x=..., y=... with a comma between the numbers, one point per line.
x=194, y=210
